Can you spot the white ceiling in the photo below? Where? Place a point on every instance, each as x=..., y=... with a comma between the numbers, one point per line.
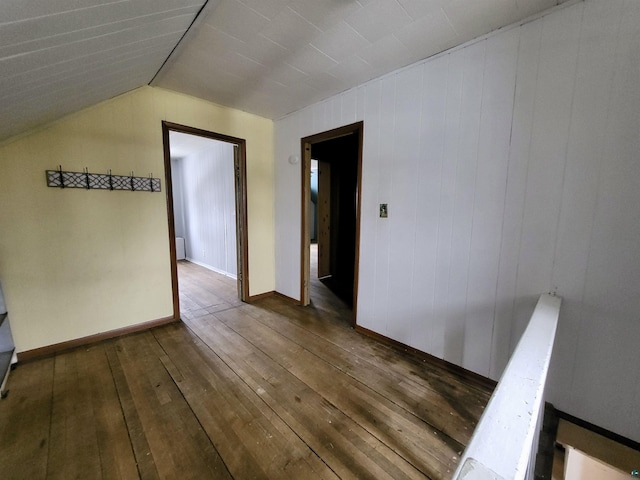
x=59, y=56
x=268, y=57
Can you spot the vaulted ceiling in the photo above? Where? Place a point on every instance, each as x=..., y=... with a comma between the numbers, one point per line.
x=268, y=57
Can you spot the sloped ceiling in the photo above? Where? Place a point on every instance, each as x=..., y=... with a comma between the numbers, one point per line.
x=268, y=57
x=59, y=56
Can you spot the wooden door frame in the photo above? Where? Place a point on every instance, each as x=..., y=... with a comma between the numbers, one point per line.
x=323, y=213
x=240, y=200
x=305, y=165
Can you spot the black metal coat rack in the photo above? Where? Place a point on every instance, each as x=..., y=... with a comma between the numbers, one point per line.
x=101, y=181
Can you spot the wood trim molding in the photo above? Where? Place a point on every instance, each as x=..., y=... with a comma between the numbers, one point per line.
x=356, y=275
x=271, y=294
x=51, y=350
x=260, y=296
x=306, y=143
x=468, y=375
x=242, y=219
x=287, y=298
x=171, y=220
x=241, y=210
x=305, y=255
x=176, y=127
x=627, y=442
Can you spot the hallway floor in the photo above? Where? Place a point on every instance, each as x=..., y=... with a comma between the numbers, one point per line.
x=269, y=390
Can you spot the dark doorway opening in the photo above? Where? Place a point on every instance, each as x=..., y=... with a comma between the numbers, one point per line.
x=337, y=214
x=333, y=218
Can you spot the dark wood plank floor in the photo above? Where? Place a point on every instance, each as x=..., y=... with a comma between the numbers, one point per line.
x=269, y=390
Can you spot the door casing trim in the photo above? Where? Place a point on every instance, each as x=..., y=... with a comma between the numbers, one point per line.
x=241, y=206
x=305, y=166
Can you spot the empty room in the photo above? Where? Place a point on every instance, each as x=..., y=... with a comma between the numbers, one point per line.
x=418, y=259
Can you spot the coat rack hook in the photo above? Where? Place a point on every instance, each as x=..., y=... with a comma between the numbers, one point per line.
x=61, y=176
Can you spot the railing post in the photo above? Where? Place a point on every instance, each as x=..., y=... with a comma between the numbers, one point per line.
x=503, y=445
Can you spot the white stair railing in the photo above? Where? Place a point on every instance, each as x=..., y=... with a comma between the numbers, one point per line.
x=505, y=442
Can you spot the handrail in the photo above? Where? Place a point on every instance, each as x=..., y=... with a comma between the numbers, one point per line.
x=503, y=445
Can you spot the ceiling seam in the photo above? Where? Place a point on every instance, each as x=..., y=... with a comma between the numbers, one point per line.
x=198, y=16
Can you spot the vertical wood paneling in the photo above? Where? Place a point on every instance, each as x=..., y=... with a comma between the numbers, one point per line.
x=369, y=219
x=306, y=121
x=523, y=114
x=488, y=208
x=547, y=153
x=209, y=207
x=288, y=205
x=336, y=110
x=318, y=119
x=429, y=328
x=594, y=78
x=443, y=307
x=178, y=198
x=360, y=102
x=383, y=190
x=323, y=121
x=510, y=169
x=607, y=349
x=348, y=106
x=402, y=222
x=228, y=189
x=464, y=194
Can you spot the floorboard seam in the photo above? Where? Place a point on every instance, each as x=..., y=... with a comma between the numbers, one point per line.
x=124, y=416
x=449, y=440
x=364, y=427
x=261, y=399
x=189, y=404
x=51, y=415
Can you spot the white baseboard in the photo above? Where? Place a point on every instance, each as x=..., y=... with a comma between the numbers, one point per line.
x=213, y=269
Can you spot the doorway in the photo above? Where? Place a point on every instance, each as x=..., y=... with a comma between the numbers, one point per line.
x=334, y=217
x=236, y=207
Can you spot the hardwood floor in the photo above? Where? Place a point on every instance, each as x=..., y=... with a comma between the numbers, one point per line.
x=321, y=296
x=269, y=390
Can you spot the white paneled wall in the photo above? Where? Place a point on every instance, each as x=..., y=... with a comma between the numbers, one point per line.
x=511, y=168
x=178, y=197
x=203, y=184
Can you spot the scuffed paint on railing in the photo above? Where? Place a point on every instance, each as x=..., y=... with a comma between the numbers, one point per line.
x=505, y=441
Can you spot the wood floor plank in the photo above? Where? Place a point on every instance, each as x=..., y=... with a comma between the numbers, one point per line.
x=472, y=396
x=177, y=442
x=74, y=451
x=206, y=287
x=256, y=442
x=116, y=456
x=393, y=425
x=337, y=332
x=444, y=408
x=145, y=463
x=25, y=416
x=343, y=444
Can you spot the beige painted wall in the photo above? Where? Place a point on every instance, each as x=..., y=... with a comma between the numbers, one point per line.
x=75, y=263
